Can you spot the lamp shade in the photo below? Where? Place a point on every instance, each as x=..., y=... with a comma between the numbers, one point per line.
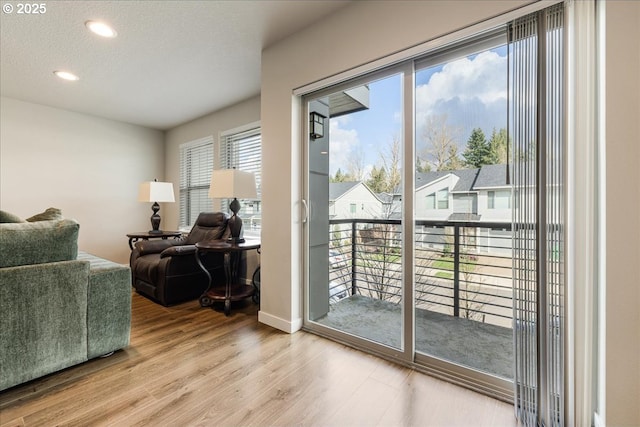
x=228, y=183
x=154, y=191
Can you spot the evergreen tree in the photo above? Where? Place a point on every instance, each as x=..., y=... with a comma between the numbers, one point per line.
x=338, y=177
x=478, y=152
x=377, y=181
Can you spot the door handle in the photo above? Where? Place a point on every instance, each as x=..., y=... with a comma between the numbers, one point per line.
x=305, y=205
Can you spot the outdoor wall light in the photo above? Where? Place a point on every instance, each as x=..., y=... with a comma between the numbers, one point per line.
x=316, y=125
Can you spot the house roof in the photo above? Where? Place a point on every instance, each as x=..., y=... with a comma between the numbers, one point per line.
x=492, y=176
x=425, y=178
x=385, y=197
x=338, y=189
x=488, y=176
x=466, y=178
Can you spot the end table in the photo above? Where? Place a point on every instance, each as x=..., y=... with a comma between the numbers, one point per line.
x=233, y=290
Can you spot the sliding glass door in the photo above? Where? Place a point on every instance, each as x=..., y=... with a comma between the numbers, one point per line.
x=424, y=182
x=463, y=256
x=355, y=237
x=408, y=208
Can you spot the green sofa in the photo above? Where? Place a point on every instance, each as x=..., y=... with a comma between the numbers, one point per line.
x=58, y=307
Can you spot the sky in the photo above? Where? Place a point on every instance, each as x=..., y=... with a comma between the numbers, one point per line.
x=468, y=92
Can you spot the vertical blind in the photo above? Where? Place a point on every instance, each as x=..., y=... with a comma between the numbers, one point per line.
x=196, y=164
x=537, y=130
x=243, y=151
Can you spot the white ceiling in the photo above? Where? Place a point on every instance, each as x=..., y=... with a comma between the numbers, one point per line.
x=173, y=61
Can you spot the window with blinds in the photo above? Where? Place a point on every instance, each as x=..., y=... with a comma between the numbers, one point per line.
x=242, y=149
x=196, y=164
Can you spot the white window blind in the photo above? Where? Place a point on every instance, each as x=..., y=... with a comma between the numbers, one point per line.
x=196, y=164
x=536, y=51
x=242, y=149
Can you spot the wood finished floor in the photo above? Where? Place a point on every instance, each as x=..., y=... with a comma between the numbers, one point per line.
x=190, y=366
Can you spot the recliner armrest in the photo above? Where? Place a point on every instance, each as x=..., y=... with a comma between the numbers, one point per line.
x=145, y=247
x=178, y=250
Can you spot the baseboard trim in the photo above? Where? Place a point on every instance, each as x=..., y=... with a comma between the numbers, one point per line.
x=279, y=323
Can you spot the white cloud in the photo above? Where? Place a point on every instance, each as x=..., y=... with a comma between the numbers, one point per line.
x=476, y=87
x=342, y=142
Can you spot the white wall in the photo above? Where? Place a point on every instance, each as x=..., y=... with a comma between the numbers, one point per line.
x=494, y=215
x=367, y=204
x=87, y=166
x=623, y=213
x=422, y=211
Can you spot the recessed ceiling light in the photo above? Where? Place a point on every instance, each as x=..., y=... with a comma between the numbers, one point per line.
x=101, y=29
x=66, y=75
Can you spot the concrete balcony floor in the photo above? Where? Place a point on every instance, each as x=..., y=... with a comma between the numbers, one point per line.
x=481, y=346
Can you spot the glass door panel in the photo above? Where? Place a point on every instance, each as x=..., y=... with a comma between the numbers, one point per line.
x=462, y=199
x=354, y=238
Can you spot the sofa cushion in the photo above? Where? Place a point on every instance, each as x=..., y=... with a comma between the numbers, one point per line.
x=38, y=242
x=48, y=215
x=8, y=217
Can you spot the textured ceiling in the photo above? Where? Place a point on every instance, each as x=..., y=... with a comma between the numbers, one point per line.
x=173, y=61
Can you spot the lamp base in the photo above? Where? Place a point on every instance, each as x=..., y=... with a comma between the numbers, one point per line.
x=155, y=219
x=235, y=225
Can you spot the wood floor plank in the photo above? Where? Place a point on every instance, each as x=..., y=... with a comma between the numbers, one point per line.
x=192, y=366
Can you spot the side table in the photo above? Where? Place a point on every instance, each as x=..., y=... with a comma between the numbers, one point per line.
x=233, y=290
x=145, y=235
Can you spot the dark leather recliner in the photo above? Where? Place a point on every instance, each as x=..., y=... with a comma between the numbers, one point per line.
x=166, y=270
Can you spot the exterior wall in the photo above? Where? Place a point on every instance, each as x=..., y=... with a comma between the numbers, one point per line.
x=420, y=201
x=465, y=203
x=367, y=204
x=88, y=167
x=492, y=215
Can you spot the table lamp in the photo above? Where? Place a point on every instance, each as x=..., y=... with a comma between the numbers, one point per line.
x=154, y=191
x=233, y=183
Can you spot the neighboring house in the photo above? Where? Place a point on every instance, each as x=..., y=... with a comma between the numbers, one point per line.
x=447, y=195
x=353, y=199
x=465, y=195
x=494, y=194
x=391, y=205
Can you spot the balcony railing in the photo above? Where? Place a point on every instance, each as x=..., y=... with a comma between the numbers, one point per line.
x=462, y=269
